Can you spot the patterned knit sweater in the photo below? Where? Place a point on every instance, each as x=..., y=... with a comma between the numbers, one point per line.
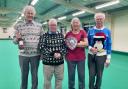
x=50, y=44
x=30, y=33
x=107, y=43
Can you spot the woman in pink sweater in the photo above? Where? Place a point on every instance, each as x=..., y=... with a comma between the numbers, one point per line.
x=76, y=41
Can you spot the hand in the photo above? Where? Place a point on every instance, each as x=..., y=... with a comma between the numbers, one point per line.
x=93, y=50
x=57, y=55
x=107, y=63
x=80, y=43
x=18, y=35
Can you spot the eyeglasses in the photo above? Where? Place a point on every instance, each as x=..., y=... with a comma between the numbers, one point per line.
x=52, y=25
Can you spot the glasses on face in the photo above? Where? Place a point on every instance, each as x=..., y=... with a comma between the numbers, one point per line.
x=29, y=13
x=52, y=25
x=99, y=19
x=75, y=23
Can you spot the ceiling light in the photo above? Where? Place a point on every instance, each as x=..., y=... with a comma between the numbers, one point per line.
x=20, y=18
x=44, y=23
x=107, y=4
x=62, y=18
x=78, y=13
x=22, y=15
x=34, y=2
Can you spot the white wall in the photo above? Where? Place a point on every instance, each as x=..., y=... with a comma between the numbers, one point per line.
x=120, y=31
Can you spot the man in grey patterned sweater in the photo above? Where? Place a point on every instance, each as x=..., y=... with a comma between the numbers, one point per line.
x=52, y=47
x=30, y=32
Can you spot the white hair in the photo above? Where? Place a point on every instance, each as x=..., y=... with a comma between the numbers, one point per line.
x=75, y=19
x=52, y=21
x=29, y=8
x=99, y=15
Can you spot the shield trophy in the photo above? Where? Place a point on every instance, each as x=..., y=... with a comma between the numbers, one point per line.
x=71, y=42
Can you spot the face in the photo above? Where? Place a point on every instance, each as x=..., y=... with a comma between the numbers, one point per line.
x=52, y=27
x=75, y=25
x=99, y=21
x=29, y=15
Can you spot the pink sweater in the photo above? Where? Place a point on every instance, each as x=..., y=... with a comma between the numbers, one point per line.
x=78, y=54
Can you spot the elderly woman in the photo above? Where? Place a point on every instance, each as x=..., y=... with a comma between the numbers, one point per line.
x=29, y=31
x=99, y=39
x=76, y=41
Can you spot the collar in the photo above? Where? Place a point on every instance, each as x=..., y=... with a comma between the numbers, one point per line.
x=98, y=28
x=52, y=32
x=27, y=22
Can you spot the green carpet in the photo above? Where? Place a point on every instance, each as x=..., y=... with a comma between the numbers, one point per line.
x=115, y=77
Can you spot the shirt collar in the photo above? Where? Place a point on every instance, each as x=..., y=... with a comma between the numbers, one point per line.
x=26, y=22
x=52, y=32
x=98, y=28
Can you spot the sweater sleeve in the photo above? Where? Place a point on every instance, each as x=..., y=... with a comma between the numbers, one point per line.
x=63, y=51
x=89, y=39
x=15, y=41
x=109, y=43
x=42, y=46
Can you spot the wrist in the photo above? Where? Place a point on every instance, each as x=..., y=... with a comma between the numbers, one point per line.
x=108, y=57
x=90, y=47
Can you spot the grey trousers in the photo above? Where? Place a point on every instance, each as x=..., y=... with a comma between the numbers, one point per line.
x=71, y=73
x=96, y=67
x=27, y=63
x=49, y=71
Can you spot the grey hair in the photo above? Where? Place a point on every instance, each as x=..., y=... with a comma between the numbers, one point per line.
x=28, y=8
x=52, y=21
x=101, y=15
x=75, y=19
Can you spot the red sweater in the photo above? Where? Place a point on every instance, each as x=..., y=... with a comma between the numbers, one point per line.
x=78, y=54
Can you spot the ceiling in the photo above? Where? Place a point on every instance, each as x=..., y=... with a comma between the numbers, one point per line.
x=10, y=10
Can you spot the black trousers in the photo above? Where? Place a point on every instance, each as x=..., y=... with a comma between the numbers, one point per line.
x=96, y=67
x=72, y=65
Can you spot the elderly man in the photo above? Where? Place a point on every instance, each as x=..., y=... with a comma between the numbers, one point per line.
x=29, y=31
x=99, y=38
x=52, y=47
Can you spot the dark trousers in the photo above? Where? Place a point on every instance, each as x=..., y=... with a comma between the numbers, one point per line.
x=71, y=73
x=96, y=67
x=25, y=62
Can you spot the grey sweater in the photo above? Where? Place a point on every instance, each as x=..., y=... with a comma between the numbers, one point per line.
x=30, y=33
